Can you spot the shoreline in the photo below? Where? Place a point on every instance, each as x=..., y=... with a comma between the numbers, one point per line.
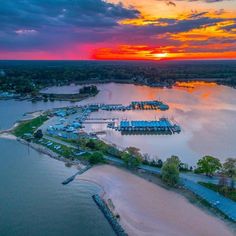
x=6, y=134
x=155, y=213
x=59, y=97
x=50, y=153
x=109, y=192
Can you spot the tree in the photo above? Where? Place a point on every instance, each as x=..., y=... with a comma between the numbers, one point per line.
x=146, y=158
x=229, y=167
x=91, y=144
x=38, y=134
x=229, y=170
x=132, y=157
x=133, y=151
x=96, y=157
x=170, y=171
x=208, y=165
x=175, y=160
x=183, y=166
x=113, y=151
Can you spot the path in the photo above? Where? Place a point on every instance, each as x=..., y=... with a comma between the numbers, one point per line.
x=225, y=205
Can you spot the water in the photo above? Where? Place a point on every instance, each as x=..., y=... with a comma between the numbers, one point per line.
x=206, y=114
x=34, y=202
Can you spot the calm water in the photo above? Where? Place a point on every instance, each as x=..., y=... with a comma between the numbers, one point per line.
x=34, y=202
x=32, y=199
x=206, y=114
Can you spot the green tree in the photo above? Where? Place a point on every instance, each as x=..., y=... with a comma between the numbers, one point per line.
x=38, y=134
x=229, y=167
x=91, y=144
x=174, y=159
x=170, y=171
x=131, y=157
x=133, y=151
x=229, y=170
x=208, y=165
x=96, y=157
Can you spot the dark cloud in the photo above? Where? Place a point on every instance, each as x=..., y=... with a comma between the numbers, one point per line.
x=197, y=14
x=56, y=20
x=49, y=25
x=35, y=13
x=170, y=3
x=230, y=27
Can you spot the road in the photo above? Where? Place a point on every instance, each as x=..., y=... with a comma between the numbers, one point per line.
x=189, y=181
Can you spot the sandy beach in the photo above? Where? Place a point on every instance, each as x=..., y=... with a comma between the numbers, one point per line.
x=148, y=209
x=7, y=136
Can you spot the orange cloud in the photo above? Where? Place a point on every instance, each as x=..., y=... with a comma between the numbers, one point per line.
x=142, y=52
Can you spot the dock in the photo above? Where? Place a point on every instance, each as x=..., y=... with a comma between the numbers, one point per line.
x=162, y=126
x=149, y=105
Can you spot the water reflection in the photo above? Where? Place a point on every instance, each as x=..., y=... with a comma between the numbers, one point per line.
x=206, y=113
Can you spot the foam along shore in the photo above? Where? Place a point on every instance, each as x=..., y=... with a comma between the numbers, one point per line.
x=148, y=209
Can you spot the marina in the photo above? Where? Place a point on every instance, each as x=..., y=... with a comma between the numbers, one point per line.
x=162, y=126
x=73, y=119
x=149, y=105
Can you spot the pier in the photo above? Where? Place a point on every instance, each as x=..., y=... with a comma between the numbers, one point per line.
x=162, y=126
x=134, y=105
x=149, y=105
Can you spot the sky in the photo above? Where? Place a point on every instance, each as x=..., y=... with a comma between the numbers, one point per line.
x=117, y=29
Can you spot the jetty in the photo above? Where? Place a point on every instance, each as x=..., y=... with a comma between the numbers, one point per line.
x=109, y=216
x=162, y=126
x=71, y=178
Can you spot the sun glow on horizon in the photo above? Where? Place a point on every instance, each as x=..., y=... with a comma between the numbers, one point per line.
x=161, y=55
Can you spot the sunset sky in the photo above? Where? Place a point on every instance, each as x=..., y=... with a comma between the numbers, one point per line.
x=114, y=29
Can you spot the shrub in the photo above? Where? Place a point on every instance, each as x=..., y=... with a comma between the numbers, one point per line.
x=170, y=171
x=96, y=157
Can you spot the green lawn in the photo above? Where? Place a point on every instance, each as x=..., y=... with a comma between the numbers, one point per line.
x=29, y=126
x=229, y=193
x=65, y=151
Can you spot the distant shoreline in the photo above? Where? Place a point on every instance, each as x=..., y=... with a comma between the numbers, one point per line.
x=77, y=97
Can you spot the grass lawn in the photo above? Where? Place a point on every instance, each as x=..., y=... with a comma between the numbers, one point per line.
x=29, y=126
x=63, y=150
x=231, y=194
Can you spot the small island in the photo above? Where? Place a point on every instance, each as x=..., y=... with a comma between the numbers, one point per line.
x=84, y=92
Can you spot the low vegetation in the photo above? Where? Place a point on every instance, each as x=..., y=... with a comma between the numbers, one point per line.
x=84, y=92
x=170, y=171
x=27, y=128
x=131, y=157
x=224, y=190
x=96, y=158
